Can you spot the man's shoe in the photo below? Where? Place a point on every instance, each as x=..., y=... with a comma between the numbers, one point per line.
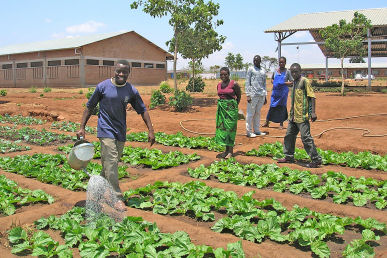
x=285, y=160
x=251, y=135
x=259, y=133
x=314, y=164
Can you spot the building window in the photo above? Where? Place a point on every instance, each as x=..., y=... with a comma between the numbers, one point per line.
x=160, y=65
x=6, y=66
x=72, y=62
x=108, y=62
x=92, y=62
x=21, y=65
x=375, y=72
x=148, y=65
x=37, y=72
x=385, y=72
x=136, y=64
x=36, y=64
x=54, y=63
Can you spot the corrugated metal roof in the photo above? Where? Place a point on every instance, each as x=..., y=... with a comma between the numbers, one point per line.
x=64, y=43
x=314, y=21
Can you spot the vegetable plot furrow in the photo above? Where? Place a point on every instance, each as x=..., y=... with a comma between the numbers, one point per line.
x=33, y=136
x=178, y=140
x=20, y=120
x=341, y=188
x=255, y=220
x=364, y=159
x=8, y=146
x=53, y=169
x=12, y=196
x=133, y=237
x=152, y=158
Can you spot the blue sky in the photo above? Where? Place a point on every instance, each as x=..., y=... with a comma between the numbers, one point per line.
x=26, y=21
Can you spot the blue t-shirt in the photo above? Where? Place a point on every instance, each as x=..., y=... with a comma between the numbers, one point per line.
x=113, y=102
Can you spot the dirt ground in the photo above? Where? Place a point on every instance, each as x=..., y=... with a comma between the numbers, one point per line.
x=67, y=105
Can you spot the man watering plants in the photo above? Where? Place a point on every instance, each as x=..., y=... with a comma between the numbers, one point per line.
x=303, y=108
x=113, y=96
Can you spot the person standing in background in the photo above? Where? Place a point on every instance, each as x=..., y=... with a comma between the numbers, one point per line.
x=255, y=88
x=281, y=80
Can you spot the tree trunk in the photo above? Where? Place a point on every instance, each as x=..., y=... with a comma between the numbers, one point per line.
x=342, y=76
x=193, y=74
x=175, y=60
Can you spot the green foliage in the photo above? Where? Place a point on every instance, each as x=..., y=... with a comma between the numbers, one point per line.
x=195, y=84
x=33, y=136
x=365, y=159
x=12, y=196
x=268, y=63
x=69, y=126
x=41, y=95
x=181, y=101
x=152, y=158
x=229, y=61
x=3, y=92
x=80, y=91
x=235, y=77
x=33, y=89
x=249, y=218
x=53, y=169
x=157, y=98
x=132, y=237
x=165, y=88
x=346, y=39
x=315, y=83
x=8, y=146
x=187, y=17
x=20, y=120
x=343, y=189
x=178, y=140
x=46, y=89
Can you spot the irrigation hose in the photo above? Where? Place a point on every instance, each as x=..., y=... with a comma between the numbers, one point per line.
x=366, y=132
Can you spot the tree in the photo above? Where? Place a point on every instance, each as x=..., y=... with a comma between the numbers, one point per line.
x=214, y=68
x=196, y=67
x=357, y=59
x=246, y=66
x=345, y=39
x=238, y=62
x=183, y=14
x=229, y=61
x=198, y=43
x=268, y=63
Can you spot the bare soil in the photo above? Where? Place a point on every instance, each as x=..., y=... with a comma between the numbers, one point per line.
x=67, y=105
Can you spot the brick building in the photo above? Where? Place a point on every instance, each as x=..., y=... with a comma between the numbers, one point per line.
x=82, y=61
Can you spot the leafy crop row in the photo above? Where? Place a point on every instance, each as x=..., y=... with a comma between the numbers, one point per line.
x=179, y=140
x=20, y=120
x=69, y=126
x=13, y=196
x=33, y=136
x=53, y=169
x=363, y=159
x=255, y=220
x=342, y=188
x=8, y=146
x=152, y=158
x=133, y=237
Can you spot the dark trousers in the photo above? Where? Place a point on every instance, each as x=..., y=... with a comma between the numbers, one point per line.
x=307, y=140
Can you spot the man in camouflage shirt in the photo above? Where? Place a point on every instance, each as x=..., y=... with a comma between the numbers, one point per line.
x=303, y=101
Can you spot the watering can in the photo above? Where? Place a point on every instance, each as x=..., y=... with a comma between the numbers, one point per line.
x=81, y=154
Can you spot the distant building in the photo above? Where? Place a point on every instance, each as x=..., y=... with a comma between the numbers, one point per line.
x=82, y=61
x=317, y=71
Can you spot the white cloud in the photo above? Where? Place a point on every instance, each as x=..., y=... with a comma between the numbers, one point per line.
x=227, y=45
x=87, y=27
x=47, y=20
